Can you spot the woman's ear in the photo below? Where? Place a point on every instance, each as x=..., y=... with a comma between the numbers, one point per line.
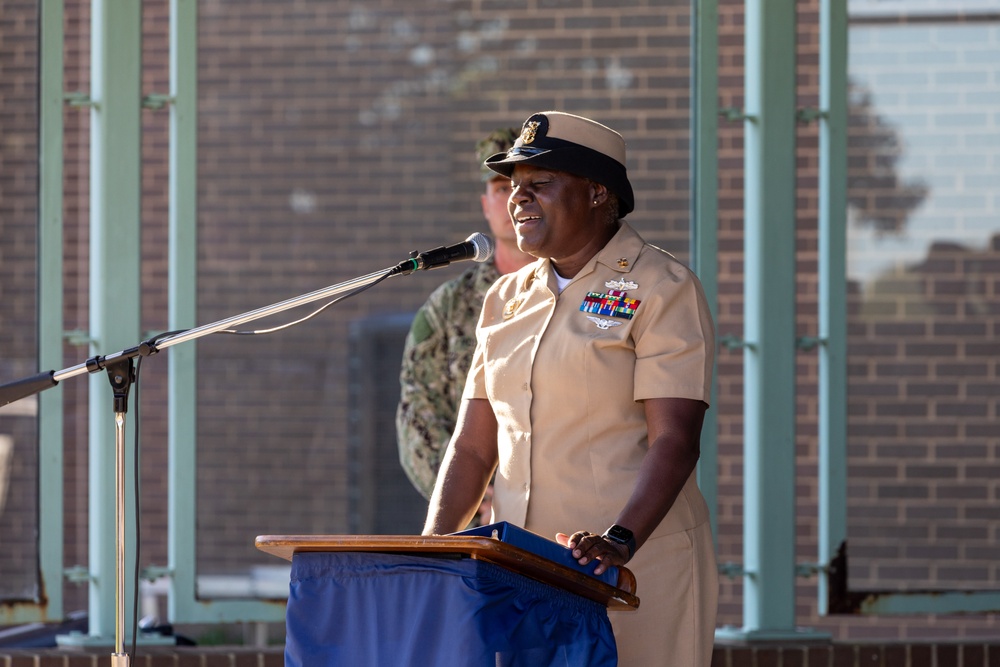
x=598, y=193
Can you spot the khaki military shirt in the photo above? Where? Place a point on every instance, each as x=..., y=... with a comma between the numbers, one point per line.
x=566, y=375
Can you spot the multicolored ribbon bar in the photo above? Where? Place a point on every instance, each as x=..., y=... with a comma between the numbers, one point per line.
x=613, y=304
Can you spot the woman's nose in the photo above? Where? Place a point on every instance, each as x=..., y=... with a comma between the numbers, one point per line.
x=518, y=194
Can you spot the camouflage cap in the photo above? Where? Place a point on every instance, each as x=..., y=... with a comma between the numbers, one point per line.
x=498, y=141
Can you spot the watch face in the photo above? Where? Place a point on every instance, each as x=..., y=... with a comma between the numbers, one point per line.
x=619, y=534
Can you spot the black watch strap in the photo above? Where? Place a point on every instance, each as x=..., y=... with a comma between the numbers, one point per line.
x=622, y=535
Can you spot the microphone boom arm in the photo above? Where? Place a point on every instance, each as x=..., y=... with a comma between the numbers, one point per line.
x=24, y=387
x=477, y=247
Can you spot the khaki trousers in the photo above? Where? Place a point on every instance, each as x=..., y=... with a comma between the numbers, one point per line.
x=678, y=588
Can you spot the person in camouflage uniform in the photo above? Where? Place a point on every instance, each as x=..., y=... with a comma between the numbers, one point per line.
x=439, y=346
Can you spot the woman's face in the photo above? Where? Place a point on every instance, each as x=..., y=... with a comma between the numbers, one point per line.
x=551, y=211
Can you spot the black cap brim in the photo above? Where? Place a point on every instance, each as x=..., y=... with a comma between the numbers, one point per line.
x=574, y=159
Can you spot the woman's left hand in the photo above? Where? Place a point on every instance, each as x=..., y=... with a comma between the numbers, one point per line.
x=588, y=546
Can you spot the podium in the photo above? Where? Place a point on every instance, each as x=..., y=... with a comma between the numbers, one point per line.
x=448, y=601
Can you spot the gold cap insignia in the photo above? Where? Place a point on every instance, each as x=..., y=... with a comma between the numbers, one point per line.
x=529, y=131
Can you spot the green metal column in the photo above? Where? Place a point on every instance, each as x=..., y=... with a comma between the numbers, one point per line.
x=50, y=300
x=832, y=287
x=769, y=321
x=115, y=164
x=704, y=208
x=183, y=302
x=184, y=605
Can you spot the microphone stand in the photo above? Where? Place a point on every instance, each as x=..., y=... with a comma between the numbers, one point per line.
x=119, y=367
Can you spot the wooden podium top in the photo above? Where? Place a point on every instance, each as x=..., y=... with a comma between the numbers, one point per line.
x=487, y=549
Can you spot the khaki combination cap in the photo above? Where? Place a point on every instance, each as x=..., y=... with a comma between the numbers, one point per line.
x=573, y=144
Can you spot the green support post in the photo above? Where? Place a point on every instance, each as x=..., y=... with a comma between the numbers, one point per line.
x=769, y=320
x=183, y=603
x=769, y=324
x=832, y=289
x=115, y=163
x=182, y=279
x=50, y=308
x=704, y=210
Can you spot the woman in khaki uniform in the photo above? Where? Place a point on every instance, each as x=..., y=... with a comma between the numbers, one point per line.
x=588, y=390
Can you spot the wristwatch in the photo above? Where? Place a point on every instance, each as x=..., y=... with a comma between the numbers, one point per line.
x=621, y=535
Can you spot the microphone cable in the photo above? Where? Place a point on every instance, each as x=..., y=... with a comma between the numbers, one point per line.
x=138, y=514
x=354, y=292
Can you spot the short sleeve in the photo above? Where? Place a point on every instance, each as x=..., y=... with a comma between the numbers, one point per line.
x=674, y=340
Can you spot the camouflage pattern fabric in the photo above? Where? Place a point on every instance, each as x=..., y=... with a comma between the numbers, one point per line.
x=436, y=359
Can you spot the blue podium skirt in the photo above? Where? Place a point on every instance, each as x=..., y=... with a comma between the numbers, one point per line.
x=399, y=610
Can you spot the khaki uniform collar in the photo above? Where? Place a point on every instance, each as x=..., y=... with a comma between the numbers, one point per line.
x=620, y=255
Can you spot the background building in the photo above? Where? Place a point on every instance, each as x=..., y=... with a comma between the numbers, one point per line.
x=335, y=137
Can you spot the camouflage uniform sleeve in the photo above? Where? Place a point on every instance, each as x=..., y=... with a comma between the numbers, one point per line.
x=436, y=359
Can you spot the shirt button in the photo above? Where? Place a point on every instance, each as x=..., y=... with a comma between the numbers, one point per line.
x=524, y=386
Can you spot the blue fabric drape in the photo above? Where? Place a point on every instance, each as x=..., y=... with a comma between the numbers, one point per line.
x=397, y=610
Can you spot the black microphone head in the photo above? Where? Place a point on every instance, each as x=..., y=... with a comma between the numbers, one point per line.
x=484, y=247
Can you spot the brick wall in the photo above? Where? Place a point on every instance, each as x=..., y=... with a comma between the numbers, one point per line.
x=18, y=348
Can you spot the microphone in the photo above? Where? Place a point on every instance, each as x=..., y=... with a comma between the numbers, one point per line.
x=478, y=247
